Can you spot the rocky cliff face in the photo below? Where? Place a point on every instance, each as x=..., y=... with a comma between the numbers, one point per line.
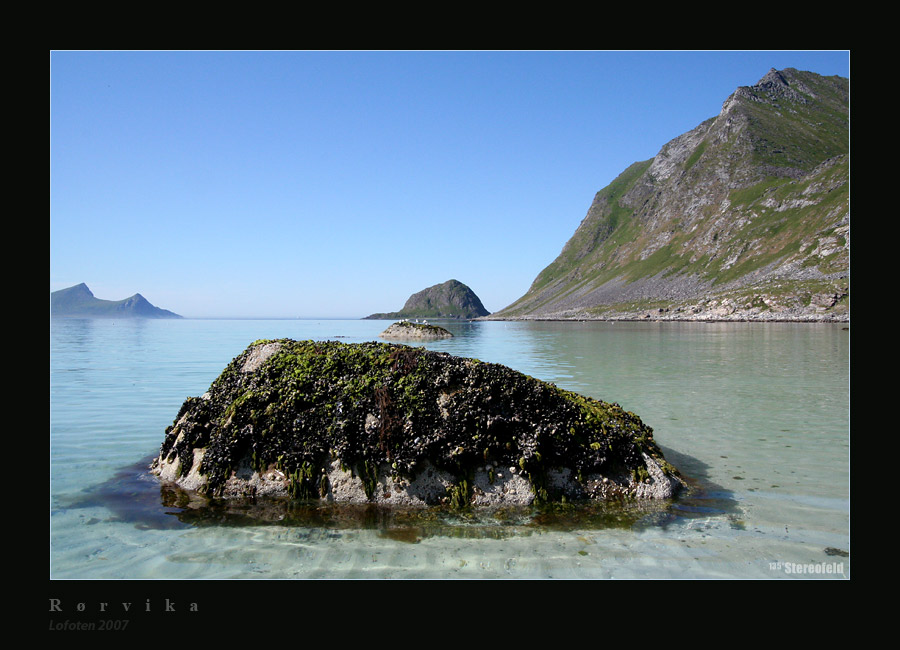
x=452, y=299
x=744, y=217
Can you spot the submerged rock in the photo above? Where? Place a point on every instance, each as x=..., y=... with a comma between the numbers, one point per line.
x=392, y=424
x=423, y=331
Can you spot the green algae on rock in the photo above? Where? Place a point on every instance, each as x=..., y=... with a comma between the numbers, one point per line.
x=397, y=425
x=407, y=330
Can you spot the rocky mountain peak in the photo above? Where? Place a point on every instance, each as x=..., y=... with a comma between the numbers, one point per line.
x=773, y=77
x=778, y=85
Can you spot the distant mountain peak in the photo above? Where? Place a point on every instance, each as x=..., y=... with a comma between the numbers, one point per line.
x=81, y=289
x=79, y=302
x=136, y=299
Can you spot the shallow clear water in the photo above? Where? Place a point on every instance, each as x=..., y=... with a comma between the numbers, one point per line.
x=755, y=414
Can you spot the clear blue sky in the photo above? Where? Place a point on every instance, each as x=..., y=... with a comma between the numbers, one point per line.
x=336, y=184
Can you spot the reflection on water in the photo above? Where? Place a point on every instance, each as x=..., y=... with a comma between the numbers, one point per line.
x=755, y=415
x=136, y=497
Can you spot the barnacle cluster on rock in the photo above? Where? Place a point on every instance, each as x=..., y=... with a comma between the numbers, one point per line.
x=392, y=424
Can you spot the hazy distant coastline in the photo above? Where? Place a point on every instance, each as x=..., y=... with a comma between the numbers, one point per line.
x=79, y=302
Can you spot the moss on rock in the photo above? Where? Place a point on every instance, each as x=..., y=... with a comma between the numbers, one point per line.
x=387, y=423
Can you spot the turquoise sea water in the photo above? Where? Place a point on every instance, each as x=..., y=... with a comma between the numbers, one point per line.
x=755, y=414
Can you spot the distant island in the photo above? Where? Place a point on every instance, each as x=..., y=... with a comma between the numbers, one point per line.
x=79, y=302
x=452, y=299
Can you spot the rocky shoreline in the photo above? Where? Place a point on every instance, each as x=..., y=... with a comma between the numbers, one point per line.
x=665, y=316
x=759, y=306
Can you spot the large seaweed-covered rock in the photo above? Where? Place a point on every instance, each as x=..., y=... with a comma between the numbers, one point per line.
x=393, y=424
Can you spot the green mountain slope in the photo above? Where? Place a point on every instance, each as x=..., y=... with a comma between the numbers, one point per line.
x=79, y=302
x=744, y=217
x=452, y=299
